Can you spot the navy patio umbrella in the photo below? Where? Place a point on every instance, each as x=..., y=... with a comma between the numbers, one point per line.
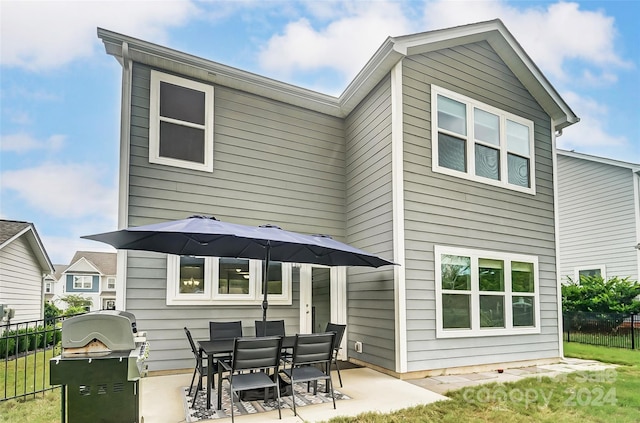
x=207, y=236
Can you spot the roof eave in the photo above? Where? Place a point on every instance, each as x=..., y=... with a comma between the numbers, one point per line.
x=510, y=51
x=34, y=241
x=123, y=47
x=634, y=167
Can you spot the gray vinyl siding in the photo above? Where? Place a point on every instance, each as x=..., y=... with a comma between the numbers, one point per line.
x=273, y=163
x=449, y=211
x=370, y=292
x=21, y=281
x=597, y=217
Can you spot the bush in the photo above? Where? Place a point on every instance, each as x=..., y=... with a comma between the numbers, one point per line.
x=594, y=294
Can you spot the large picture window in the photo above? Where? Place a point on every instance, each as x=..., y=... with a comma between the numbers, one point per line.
x=180, y=122
x=482, y=293
x=212, y=280
x=476, y=141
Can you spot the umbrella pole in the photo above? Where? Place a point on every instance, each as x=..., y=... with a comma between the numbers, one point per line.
x=265, y=279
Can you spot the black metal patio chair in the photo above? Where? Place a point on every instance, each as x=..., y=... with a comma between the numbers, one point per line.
x=253, y=359
x=224, y=330
x=339, y=331
x=311, y=362
x=200, y=367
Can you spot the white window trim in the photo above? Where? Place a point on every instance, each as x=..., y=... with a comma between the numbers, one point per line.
x=601, y=267
x=80, y=285
x=470, y=142
x=154, y=122
x=111, y=281
x=210, y=296
x=475, y=330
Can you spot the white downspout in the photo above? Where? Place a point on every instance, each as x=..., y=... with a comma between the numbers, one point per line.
x=556, y=218
x=123, y=187
x=397, y=171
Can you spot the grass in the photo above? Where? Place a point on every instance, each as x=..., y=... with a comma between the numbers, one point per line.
x=609, y=396
x=586, y=397
x=41, y=407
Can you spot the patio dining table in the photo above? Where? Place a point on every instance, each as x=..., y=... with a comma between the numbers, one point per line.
x=219, y=347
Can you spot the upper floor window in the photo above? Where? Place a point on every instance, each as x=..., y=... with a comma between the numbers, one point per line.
x=590, y=271
x=82, y=282
x=111, y=283
x=180, y=122
x=212, y=280
x=483, y=293
x=47, y=288
x=476, y=141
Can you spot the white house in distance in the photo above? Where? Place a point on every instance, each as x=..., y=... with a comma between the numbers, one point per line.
x=24, y=263
x=89, y=274
x=599, y=216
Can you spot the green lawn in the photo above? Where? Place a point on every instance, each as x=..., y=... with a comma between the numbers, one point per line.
x=594, y=397
x=611, y=396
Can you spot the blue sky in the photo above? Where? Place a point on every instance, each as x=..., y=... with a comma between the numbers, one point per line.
x=60, y=91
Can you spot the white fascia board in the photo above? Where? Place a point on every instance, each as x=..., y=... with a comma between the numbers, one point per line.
x=634, y=167
x=378, y=67
x=82, y=260
x=36, y=245
x=496, y=34
x=209, y=71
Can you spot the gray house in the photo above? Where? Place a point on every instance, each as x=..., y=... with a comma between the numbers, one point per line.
x=439, y=155
x=24, y=263
x=599, y=216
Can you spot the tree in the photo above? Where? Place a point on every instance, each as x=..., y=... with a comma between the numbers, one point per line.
x=51, y=312
x=594, y=294
x=77, y=304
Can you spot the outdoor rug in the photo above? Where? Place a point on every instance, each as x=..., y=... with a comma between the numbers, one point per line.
x=200, y=412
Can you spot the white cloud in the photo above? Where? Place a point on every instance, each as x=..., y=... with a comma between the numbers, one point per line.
x=61, y=249
x=551, y=36
x=23, y=143
x=344, y=44
x=46, y=34
x=591, y=134
x=63, y=191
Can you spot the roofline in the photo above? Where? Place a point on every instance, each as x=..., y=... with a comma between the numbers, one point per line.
x=70, y=269
x=379, y=65
x=34, y=241
x=503, y=42
x=634, y=167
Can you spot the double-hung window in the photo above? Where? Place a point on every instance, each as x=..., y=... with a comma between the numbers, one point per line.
x=482, y=293
x=111, y=284
x=213, y=280
x=180, y=122
x=475, y=141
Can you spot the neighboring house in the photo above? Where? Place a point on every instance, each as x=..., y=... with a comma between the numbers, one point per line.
x=24, y=264
x=599, y=210
x=439, y=155
x=53, y=284
x=91, y=275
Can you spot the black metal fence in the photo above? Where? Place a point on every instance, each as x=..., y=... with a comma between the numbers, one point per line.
x=25, y=350
x=606, y=329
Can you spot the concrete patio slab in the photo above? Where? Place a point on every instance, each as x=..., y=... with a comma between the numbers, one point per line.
x=369, y=390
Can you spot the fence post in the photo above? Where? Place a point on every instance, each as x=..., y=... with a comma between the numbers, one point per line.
x=564, y=323
x=633, y=332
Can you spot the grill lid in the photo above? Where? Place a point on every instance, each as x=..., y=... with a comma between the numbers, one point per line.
x=112, y=330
